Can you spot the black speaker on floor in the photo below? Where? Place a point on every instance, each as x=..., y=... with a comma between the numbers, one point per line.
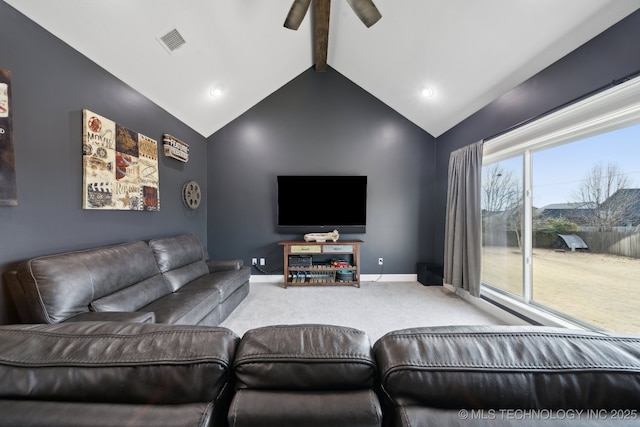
x=430, y=273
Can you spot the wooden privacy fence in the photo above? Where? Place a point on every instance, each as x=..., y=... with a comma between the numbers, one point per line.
x=612, y=242
x=603, y=242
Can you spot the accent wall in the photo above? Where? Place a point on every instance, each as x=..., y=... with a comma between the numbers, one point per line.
x=51, y=84
x=321, y=123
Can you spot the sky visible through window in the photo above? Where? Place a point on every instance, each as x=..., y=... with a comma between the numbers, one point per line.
x=559, y=172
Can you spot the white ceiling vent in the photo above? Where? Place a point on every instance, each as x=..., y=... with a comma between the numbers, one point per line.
x=172, y=40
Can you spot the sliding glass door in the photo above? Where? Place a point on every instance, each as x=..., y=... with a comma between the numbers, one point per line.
x=502, y=209
x=561, y=214
x=586, y=229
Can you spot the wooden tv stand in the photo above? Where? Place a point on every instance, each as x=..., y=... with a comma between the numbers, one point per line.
x=322, y=263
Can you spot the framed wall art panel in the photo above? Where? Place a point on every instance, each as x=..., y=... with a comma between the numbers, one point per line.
x=8, y=191
x=120, y=166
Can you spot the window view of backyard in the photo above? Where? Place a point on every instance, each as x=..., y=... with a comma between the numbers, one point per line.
x=502, y=265
x=585, y=229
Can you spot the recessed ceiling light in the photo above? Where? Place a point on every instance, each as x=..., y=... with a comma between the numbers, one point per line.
x=428, y=92
x=215, y=92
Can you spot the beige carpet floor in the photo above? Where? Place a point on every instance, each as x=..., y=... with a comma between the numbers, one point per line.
x=375, y=307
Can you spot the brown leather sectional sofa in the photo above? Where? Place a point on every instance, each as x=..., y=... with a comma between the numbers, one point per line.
x=119, y=374
x=167, y=280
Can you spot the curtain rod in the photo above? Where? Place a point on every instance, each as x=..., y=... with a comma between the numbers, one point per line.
x=614, y=83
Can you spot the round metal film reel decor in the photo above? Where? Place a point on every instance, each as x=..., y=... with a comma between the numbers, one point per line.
x=191, y=195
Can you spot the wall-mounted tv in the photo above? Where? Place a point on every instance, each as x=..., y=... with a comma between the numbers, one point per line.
x=308, y=204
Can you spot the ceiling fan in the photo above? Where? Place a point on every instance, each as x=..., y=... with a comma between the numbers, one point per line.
x=364, y=9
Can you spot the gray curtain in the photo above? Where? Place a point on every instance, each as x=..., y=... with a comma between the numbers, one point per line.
x=463, y=226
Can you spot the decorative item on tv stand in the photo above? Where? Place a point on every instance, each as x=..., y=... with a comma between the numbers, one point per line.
x=322, y=237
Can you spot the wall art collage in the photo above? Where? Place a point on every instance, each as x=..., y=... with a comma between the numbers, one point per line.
x=120, y=167
x=8, y=193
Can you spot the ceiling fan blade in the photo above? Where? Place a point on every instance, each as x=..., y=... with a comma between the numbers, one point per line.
x=366, y=11
x=296, y=14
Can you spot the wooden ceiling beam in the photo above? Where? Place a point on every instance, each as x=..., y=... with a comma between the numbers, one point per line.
x=322, y=10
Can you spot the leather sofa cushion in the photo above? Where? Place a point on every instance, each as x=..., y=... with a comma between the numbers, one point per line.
x=304, y=357
x=181, y=259
x=66, y=284
x=352, y=408
x=509, y=367
x=177, y=251
x=114, y=362
x=224, y=282
x=70, y=414
x=134, y=297
x=114, y=316
x=184, y=307
x=179, y=277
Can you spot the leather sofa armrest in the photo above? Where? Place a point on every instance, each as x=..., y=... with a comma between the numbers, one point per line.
x=224, y=265
x=114, y=316
x=19, y=298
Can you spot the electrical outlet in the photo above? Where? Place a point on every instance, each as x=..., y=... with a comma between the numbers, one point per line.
x=262, y=261
x=254, y=261
x=380, y=261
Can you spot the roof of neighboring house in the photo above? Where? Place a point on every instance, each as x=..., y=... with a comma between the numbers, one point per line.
x=576, y=211
x=566, y=206
x=631, y=194
x=629, y=199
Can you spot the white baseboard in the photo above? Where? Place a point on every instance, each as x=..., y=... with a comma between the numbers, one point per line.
x=266, y=278
x=388, y=277
x=279, y=278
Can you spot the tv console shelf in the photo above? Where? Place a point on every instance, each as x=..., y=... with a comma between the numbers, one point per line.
x=322, y=263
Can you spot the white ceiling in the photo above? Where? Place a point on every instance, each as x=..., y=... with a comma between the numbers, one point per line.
x=468, y=51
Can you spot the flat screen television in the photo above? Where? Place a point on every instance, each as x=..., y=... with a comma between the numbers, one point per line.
x=311, y=204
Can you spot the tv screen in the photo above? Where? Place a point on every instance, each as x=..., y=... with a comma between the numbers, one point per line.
x=308, y=204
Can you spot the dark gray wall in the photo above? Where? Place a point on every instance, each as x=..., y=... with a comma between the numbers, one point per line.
x=51, y=84
x=610, y=56
x=321, y=124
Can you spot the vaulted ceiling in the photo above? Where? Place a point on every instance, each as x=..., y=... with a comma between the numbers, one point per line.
x=464, y=53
